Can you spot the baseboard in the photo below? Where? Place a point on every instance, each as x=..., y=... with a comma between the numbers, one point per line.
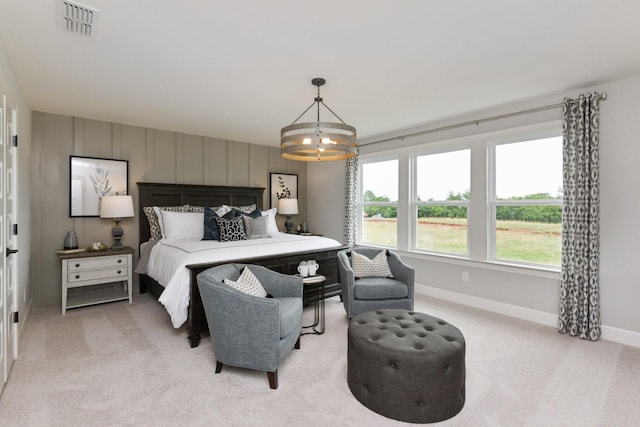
x=609, y=333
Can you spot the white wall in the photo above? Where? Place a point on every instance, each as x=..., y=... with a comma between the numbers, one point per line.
x=9, y=86
x=516, y=291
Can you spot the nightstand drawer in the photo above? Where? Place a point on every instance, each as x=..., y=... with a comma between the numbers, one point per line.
x=117, y=273
x=90, y=263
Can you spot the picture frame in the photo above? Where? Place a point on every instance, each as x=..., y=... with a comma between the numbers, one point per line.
x=283, y=186
x=90, y=178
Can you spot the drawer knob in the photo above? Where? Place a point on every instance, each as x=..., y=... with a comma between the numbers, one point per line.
x=119, y=272
x=119, y=261
x=77, y=264
x=77, y=276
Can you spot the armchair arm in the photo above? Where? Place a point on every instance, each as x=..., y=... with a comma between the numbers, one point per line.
x=346, y=274
x=401, y=271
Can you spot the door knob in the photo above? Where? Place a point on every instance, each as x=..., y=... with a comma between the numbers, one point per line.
x=11, y=251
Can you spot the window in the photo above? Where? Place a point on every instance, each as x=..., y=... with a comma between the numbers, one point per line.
x=527, y=201
x=491, y=197
x=443, y=184
x=379, y=201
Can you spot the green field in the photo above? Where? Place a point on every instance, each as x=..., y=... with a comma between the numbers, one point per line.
x=533, y=242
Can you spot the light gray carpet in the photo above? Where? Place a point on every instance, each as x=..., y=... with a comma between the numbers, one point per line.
x=121, y=364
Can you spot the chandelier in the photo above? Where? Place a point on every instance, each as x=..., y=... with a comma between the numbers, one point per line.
x=318, y=141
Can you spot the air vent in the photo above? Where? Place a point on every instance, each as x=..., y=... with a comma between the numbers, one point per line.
x=78, y=19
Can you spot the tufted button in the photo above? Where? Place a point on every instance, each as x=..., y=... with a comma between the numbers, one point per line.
x=418, y=346
x=441, y=323
x=420, y=403
x=404, y=326
x=428, y=328
x=418, y=320
x=361, y=322
x=400, y=334
x=393, y=365
x=375, y=338
x=448, y=338
x=411, y=313
x=422, y=334
x=382, y=328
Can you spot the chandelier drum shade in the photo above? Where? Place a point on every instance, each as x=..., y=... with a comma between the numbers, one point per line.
x=318, y=141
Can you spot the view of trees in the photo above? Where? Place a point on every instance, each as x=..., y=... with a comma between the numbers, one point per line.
x=545, y=214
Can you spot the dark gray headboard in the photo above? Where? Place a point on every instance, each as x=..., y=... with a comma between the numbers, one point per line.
x=157, y=194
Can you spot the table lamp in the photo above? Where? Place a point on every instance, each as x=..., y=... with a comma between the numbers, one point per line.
x=288, y=207
x=116, y=207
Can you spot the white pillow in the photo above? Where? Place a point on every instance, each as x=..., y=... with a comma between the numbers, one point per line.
x=181, y=225
x=247, y=283
x=272, y=227
x=365, y=267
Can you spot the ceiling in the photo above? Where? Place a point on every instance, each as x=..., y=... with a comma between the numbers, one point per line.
x=241, y=70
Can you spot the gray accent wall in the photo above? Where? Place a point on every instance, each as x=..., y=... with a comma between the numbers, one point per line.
x=154, y=156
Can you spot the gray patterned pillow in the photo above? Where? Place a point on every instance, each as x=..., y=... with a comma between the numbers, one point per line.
x=154, y=225
x=256, y=228
x=365, y=267
x=231, y=230
x=245, y=209
x=247, y=283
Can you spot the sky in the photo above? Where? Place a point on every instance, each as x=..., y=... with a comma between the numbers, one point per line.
x=521, y=168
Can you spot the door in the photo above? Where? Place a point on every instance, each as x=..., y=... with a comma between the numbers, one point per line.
x=8, y=239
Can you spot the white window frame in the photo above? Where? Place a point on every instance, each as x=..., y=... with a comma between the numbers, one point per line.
x=415, y=204
x=493, y=202
x=480, y=210
x=360, y=204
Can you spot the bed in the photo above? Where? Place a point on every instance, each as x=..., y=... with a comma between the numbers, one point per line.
x=282, y=259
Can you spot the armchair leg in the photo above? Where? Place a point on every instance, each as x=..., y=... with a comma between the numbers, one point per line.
x=298, y=343
x=273, y=379
x=218, y=367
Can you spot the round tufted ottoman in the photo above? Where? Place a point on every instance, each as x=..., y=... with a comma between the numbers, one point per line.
x=406, y=365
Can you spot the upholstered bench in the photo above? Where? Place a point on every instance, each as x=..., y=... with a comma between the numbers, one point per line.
x=406, y=365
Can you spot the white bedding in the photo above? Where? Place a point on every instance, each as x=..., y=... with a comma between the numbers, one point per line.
x=168, y=259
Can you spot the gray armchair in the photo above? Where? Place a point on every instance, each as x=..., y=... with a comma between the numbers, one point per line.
x=248, y=331
x=371, y=293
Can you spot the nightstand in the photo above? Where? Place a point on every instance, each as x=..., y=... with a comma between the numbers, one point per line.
x=112, y=269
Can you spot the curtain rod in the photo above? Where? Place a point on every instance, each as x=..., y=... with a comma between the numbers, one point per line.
x=476, y=122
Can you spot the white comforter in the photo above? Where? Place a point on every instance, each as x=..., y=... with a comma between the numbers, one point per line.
x=168, y=260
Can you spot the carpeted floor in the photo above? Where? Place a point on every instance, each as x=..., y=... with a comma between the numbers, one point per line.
x=119, y=364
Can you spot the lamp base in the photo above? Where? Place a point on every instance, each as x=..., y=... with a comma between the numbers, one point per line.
x=288, y=224
x=117, y=232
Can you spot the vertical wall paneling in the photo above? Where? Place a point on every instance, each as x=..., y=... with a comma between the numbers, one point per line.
x=164, y=156
x=190, y=159
x=154, y=156
x=116, y=141
x=216, y=173
x=239, y=163
x=149, y=153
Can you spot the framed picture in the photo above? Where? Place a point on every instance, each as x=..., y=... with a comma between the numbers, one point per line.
x=91, y=178
x=283, y=186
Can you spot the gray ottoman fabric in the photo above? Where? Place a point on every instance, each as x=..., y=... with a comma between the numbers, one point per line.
x=406, y=365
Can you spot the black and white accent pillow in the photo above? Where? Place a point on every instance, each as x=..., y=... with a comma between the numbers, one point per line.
x=365, y=267
x=247, y=283
x=231, y=230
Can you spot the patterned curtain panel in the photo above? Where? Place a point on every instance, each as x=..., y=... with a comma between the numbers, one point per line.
x=350, y=201
x=580, y=285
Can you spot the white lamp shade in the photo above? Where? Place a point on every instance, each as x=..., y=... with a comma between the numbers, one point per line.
x=116, y=206
x=288, y=206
